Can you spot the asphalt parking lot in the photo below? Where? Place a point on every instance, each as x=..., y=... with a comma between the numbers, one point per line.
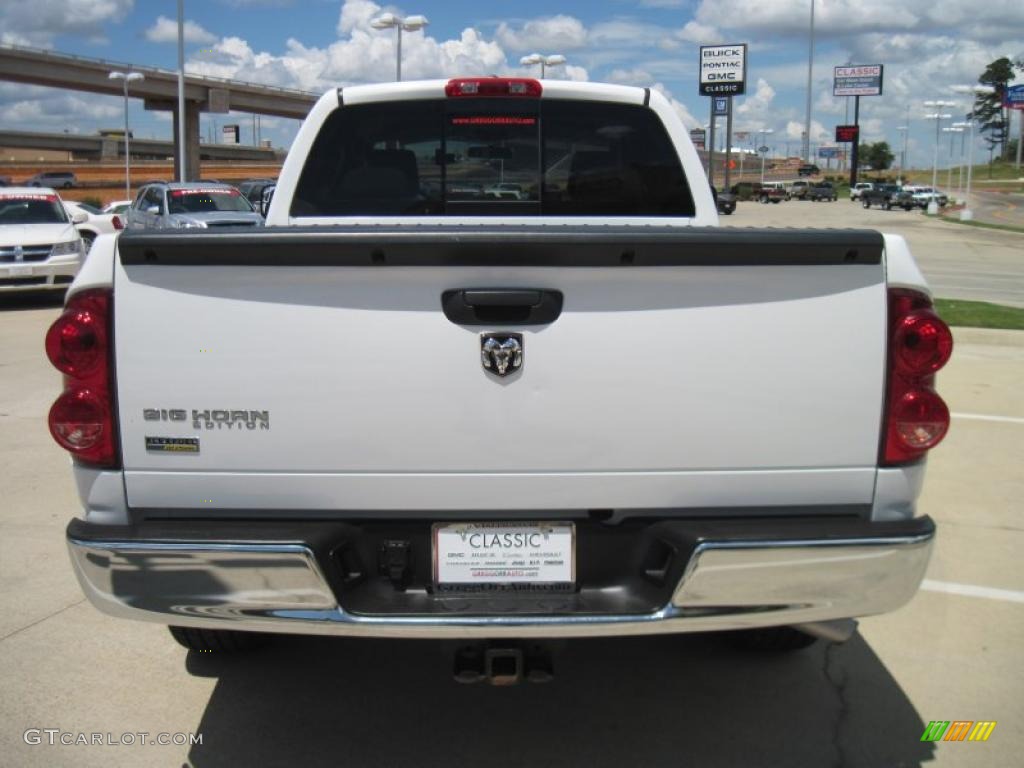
x=960, y=262
x=954, y=653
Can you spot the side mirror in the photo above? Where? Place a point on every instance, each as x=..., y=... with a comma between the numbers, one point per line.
x=79, y=217
x=153, y=209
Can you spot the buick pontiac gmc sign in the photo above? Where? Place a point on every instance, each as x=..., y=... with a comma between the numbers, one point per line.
x=723, y=69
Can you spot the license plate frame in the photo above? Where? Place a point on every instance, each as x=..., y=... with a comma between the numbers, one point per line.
x=535, y=562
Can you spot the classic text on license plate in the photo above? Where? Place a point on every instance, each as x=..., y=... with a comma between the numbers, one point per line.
x=481, y=554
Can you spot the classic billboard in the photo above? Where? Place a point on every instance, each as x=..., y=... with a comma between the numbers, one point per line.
x=723, y=70
x=862, y=80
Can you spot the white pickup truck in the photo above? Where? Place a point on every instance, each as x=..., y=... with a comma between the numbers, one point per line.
x=407, y=409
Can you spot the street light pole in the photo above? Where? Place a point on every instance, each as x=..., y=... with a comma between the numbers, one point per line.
x=760, y=144
x=938, y=117
x=125, y=78
x=182, y=143
x=806, y=146
x=904, y=129
x=552, y=60
x=409, y=24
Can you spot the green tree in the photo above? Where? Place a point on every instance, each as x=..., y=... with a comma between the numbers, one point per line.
x=878, y=155
x=988, y=107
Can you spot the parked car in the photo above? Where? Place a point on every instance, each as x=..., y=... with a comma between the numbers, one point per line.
x=822, y=191
x=881, y=195
x=725, y=201
x=96, y=223
x=39, y=245
x=857, y=189
x=798, y=189
x=771, y=192
x=53, y=179
x=374, y=429
x=191, y=205
x=808, y=169
x=925, y=195
x=117, y=206
x=5, y=181
x=253, y=189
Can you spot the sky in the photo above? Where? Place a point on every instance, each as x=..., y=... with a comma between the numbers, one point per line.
x=928, y=47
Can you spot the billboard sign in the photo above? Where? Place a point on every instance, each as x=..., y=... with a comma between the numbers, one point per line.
x=1014, y=97
x=847, y=134
x=230, y=134
x=699, y=137
x=827, y=153
x=723, y=70
x=862, y=80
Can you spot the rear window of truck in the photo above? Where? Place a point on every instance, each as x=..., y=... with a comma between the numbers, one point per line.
x=506, y=157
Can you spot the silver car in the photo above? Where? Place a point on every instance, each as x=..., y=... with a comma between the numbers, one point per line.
x=191, y=205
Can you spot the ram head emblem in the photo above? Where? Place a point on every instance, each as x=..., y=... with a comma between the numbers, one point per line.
x=501, y=353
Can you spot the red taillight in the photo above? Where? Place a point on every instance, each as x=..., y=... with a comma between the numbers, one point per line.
x=116, y=221
x=492, y=87
x=79, y=346
x=920, y=343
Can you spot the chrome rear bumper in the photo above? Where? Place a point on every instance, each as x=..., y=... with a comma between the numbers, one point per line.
x=726, y=584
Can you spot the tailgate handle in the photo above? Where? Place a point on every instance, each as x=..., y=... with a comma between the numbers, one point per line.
x=501, y=306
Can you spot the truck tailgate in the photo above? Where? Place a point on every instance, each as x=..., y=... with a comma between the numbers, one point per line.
x=313, y=370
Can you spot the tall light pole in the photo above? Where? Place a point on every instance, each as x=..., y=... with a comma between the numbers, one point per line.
x=806, y=146
x=761, y=146
x=545, y=61
x=952, y=130
x=125, y=78
x=966, y=214
x=409, y=24
x=904, y=129
x=938, y=117
x=181, y=91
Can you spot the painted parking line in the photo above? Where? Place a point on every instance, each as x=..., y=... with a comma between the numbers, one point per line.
x=986, y=417
x=971, y=590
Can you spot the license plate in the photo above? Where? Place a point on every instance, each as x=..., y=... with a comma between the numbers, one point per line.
x=514, y=556
x=19, y=271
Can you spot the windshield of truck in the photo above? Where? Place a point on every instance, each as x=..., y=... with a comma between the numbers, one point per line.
x=21, y=208
x=207, y=201
x=493, y=157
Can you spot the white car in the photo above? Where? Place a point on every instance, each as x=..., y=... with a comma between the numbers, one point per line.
x=117, y=206
x=39, y=246
x=96, y=222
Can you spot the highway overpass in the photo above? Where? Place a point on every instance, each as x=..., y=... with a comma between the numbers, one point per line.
x=159, y=89
x=111, y=147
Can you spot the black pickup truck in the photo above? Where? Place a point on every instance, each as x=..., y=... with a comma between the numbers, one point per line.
x=886, y=196
x=823, y=190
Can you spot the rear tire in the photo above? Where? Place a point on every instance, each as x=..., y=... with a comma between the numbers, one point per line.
x=772, y=639
x=216, y=640
x=867, y=203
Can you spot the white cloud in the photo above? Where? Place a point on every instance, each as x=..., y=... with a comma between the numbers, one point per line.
x=165, y=30
x=757, y=105
x=701, y=34
x=795, y=130
x=554, y=34
x=680, y=109
x=38, y=22
x=634, y=76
